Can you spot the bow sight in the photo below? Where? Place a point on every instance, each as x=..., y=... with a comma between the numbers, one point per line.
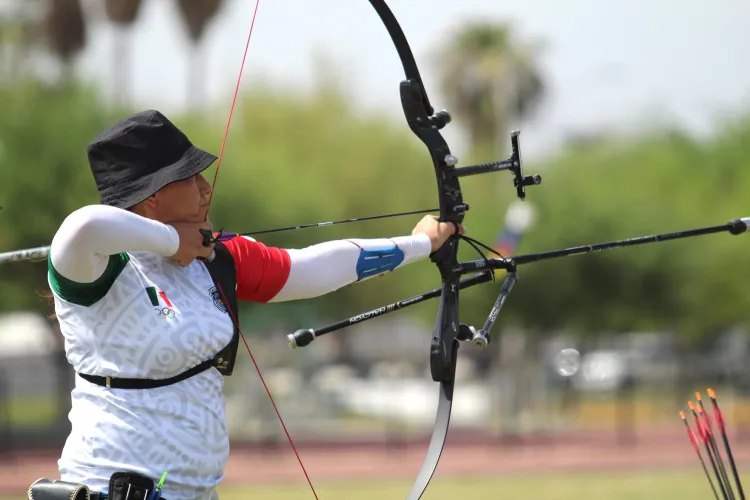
x=514, y=164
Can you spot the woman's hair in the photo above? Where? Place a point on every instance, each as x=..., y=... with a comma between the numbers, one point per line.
x=45, y=294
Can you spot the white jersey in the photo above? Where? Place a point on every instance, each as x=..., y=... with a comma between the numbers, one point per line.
x=128, y=333
x=135, y=314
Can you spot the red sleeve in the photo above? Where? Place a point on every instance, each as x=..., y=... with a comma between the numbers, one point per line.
x=262, y=271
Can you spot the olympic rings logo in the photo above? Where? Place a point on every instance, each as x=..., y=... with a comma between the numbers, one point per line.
x=165, y=312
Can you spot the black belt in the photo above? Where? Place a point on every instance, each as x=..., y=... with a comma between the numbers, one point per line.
x=54, y=489
x=144, y=383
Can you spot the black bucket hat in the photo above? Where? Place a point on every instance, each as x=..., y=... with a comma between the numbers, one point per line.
x=141, y=154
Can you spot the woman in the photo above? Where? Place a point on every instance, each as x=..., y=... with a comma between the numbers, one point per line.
x=146, y=310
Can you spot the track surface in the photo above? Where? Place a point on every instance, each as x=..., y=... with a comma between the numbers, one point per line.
x=463, y=455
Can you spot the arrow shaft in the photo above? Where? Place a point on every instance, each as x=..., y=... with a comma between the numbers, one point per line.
x=401, y=304
x=341, y=221
x=41, y=252
x=27, y=254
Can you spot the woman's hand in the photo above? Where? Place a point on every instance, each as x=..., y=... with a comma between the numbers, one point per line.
x=439, y=232
x=191, y=242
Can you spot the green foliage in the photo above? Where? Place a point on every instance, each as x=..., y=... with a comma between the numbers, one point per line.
x=288, y=159
x=43, y=174
x=293, y=159
x=619, y=189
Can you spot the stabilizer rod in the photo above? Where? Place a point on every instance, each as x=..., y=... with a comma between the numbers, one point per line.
x=485, y=268
x=481, y=338
x=734, y=227
x=301, y=338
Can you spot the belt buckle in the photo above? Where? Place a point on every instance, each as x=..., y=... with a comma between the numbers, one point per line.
x=108, y=382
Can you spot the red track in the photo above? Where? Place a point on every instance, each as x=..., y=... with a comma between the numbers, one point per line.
x=665, y=448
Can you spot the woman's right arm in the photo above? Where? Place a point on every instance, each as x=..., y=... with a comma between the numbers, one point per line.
x=84, y=243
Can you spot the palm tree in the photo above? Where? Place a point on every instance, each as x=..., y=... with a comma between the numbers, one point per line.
x=122, y=13
x=65, y=28
x=197, y=14
x=490, y=80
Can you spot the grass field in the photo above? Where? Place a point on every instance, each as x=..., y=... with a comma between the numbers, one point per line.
x=658, y=485
x=661, y=485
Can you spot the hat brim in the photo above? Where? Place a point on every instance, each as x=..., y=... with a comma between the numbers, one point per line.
x=193, y=162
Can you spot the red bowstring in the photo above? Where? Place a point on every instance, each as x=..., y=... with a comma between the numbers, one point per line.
x=231, y=109
x=263, y=381
x=234, y=319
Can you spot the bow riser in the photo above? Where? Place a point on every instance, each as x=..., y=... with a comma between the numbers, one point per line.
x=446, y=331
x=426, y=127
x=452, y=209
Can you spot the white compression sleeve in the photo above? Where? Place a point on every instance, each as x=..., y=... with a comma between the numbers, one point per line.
x=326, y=267
x=81, y=247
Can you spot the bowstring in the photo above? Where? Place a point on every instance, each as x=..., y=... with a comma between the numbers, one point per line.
x=231, y=314
x=268, y=391
x=231, y=108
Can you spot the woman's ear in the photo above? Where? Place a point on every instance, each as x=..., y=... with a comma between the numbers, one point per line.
x=148, y=205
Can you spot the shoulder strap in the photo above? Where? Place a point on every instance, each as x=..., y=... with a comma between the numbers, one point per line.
x=224, y=293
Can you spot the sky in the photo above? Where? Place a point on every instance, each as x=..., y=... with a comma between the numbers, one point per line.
x=608, y=63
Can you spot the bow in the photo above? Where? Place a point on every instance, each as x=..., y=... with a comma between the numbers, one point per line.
x=426, y=125
x=448, y=331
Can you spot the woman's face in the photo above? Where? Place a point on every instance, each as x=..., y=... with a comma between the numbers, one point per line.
x=180, y=201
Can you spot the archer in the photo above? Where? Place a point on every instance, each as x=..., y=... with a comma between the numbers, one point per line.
x=146, y=297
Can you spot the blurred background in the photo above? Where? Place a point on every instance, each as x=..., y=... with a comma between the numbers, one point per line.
x=636, y=115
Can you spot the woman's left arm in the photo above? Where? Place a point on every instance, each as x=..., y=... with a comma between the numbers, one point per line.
x=267, y=274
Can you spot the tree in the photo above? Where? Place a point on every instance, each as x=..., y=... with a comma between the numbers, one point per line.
x=65, y=27
x=123, y=13
x=489, y=79
x=197, y=14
